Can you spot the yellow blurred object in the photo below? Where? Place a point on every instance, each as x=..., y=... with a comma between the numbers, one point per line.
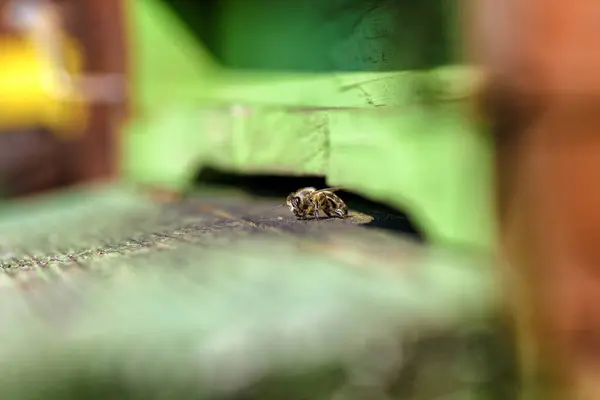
x=34, y=93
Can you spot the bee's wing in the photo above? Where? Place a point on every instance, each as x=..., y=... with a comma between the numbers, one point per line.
x=331, y=189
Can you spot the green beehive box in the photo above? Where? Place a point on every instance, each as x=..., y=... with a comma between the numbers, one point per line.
x=370, y=95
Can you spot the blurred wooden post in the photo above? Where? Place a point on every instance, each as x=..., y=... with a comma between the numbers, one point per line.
x=543, y=100
x=101, y=27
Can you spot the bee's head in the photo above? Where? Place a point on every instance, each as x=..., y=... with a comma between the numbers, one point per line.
x=293, y=202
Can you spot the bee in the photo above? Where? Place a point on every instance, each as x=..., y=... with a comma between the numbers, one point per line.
x=309, y=201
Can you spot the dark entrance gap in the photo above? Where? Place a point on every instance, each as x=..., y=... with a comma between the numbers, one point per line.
x=278, y=186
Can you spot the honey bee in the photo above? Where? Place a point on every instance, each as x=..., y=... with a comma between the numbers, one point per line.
x=309, y=201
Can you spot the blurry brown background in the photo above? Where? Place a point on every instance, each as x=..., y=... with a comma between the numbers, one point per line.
x=33, y=160
x=543, y=105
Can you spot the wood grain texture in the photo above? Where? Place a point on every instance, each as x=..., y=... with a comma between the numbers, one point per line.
x=237, y=300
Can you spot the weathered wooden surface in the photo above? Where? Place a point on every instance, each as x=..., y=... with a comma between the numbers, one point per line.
x=223, y=296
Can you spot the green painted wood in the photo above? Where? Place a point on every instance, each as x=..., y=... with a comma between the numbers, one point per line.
x=334, y=36
x=406, y=140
